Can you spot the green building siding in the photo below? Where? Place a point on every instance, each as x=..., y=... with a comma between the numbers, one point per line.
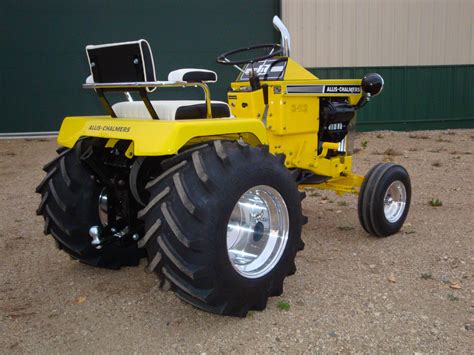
x=43, y=62
x=417, y=97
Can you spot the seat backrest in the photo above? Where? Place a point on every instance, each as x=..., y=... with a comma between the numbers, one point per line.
x=121, y=62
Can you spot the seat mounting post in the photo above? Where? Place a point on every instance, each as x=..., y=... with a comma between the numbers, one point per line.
x=148, y=104
x=105, y=103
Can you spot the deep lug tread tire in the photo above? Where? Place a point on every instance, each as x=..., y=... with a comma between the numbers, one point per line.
x=69, y=199
x=188, y=248
x=370, y=203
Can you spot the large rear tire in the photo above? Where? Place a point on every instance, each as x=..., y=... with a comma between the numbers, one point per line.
x=217, y=254
x=69, y=206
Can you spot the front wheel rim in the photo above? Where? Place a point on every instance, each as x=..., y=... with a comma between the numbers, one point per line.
x=395, y=201
x=257, y=231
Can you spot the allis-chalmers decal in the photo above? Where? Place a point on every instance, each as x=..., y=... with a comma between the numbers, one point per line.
x=342, y=89
x=109, y=128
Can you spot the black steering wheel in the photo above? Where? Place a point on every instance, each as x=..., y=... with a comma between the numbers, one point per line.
x=273, y=50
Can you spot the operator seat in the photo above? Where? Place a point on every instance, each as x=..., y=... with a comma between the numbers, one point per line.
x=129, y=62
x=170, y=110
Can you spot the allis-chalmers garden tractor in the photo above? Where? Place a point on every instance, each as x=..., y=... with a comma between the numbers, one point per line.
x=210, y=192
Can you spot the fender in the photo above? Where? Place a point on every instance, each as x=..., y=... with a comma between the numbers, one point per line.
x=155, y=137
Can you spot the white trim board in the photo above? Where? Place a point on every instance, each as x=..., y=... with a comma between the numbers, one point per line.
x=19, y=135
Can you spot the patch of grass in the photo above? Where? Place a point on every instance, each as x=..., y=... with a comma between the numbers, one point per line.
x=452, y=297
x=435, y=202
x=442, y=140
x=364, y=144
x=436, y=164
x=468, y=153
x=426, y=275
x=341, y=203
x=345, y=228
x=283, y=305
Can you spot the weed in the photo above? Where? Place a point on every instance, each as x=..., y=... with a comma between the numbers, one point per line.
x=426, y=275
x=468, y=153
x=341, y=203
x=364, y=144
x=436, y=202
x=345, y=228
x=283, y=305
x=442, y=140
x=452, y=297
x=436, y=164
x=380, y=135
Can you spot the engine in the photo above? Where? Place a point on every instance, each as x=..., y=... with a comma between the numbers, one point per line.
x=334, y=117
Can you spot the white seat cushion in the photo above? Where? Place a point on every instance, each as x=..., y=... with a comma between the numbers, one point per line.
x=193, y=75
x=171, y=109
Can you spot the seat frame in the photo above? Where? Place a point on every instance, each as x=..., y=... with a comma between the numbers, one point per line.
x=141, y=88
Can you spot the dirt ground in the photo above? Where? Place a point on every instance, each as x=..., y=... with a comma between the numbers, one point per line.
x=412, y=292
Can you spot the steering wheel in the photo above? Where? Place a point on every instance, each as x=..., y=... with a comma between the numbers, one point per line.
x=273, y=50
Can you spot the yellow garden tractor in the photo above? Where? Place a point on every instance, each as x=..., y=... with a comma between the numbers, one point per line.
x=210, y=192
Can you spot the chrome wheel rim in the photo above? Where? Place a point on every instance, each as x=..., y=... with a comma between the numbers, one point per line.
x=257, y=231
x=395, y=201
x=103, y=207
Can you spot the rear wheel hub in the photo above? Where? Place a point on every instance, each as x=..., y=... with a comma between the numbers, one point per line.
x=257, y=231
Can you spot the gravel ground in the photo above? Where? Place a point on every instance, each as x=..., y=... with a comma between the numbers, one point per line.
x=412, y=292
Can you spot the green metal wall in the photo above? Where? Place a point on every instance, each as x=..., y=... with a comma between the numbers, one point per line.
x=417, y=97
x=43, y=63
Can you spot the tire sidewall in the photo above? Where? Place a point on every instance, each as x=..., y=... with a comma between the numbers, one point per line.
x=395, y=173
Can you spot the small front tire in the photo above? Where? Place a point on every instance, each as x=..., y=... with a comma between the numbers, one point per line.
x=384, y=199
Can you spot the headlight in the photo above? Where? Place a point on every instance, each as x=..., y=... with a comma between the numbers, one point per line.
x=372, y=84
